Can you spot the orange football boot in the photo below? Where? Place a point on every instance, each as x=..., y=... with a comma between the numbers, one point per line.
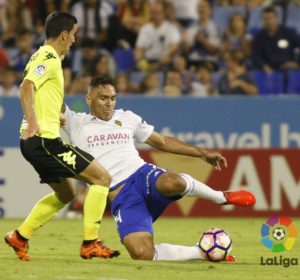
x=20, y=247
x=239, y=197
x=97, y=249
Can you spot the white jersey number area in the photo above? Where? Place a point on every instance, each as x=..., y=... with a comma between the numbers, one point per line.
x=111, y=142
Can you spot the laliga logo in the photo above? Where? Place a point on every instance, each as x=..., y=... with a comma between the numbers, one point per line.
x=279, y=235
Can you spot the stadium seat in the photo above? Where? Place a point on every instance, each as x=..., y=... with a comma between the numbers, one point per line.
x=161, y=77
x=221, y=16
x=124, y=59
x=136, y=77
x=255, y=18
x=293, y=17
x=269, y=83
x=293, y=82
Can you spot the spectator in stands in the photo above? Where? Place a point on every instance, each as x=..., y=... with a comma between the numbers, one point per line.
x=180, y=64
x=88, y=56
x=92, y=16
x=46, y=7
x=14, y=14
x=8, y=81
x=23, y=52
x=132, y=15
x=4, y=58
x=241, y=3
x=173, y=84
x=80, y=84
x=275, y=45
x=184, y=12
x=223, y=3
x=236, y=36
x=202, y=41
x=158, y=41
x=259, y=3
x=150, y=85
x=104, y=65
x=84, y=57
x=204, y=85
x=122, y=84
x=236, y=79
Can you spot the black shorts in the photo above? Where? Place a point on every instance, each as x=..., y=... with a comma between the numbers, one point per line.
x=54, y=159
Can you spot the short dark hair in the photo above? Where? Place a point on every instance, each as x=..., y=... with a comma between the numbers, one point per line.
x=57, y=22
x=101, y=81
x=270, y=9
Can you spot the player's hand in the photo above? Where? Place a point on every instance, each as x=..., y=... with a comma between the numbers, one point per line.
x=216, y=160
x=30, y=131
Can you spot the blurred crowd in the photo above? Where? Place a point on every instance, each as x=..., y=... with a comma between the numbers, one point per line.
x=168, y=47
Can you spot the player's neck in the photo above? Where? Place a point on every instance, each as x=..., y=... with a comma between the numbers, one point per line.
x=55, y=45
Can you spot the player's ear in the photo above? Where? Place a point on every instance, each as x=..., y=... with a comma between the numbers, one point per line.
x=64, y=35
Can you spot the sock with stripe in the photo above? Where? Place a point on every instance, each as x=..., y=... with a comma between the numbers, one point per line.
x=198, y=189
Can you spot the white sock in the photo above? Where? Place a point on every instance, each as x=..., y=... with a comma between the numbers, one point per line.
x=170, y=252
x=198, y=189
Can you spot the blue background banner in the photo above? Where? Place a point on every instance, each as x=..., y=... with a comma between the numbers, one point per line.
x=232, y=122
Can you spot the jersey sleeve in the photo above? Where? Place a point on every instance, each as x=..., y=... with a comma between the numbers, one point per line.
x=73, y=121
x=142, y=130
x=41, y=68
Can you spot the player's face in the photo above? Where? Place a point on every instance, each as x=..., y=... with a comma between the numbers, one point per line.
x=102, y=101
x=69, y=39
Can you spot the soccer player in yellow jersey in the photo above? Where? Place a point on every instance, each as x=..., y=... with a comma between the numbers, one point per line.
x=42, y=92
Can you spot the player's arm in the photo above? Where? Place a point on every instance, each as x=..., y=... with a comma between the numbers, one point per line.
x=175, y=146
x=27, y=102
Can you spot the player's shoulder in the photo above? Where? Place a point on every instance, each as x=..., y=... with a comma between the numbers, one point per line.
x=126, y=114
x=70, y=113
x=45, y=55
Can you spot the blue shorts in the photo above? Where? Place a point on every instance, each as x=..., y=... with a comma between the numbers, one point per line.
x=139, y=203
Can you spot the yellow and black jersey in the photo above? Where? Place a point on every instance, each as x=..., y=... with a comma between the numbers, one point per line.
x=45, y=71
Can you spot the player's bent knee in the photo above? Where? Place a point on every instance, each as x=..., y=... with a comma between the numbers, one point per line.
x=142, y=253
x=171, y=184
x=105, y=179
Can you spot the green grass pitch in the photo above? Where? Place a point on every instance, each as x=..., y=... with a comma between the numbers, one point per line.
x=55, y=253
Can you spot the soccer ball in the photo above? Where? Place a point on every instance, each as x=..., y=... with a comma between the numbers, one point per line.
x=216, y=244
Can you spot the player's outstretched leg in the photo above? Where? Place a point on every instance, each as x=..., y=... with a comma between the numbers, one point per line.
x=199, y=189
x=140, y=247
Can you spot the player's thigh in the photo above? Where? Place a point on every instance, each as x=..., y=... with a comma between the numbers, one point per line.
x=95, y=173
x=64, y=190
x=170, y=184
x=139, y=245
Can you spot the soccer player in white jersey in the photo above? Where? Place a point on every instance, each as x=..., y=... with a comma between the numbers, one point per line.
x=140, y=191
